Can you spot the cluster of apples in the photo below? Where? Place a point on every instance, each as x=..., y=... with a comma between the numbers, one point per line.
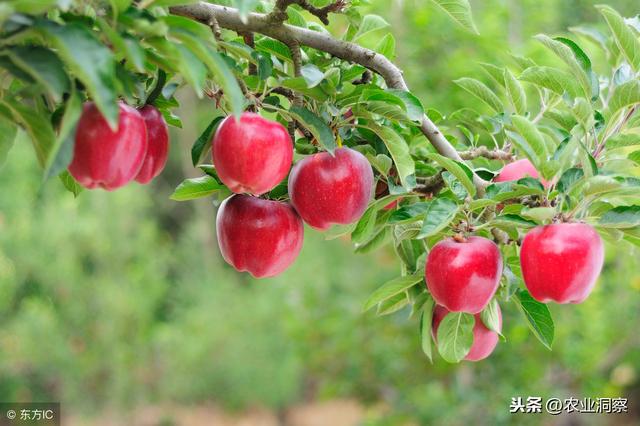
x=109, y=159
x=560, y=263
x=252, y=155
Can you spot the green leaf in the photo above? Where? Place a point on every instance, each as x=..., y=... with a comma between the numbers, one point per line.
x=456, y=168
x=585, y=63
x=512, y=220
x=621, y=217
x=274, y=47
x=218, y=67
x=391, y=288
x=568, y=56
x=539, y=214
x=481, y=91
x=8, y=131
x=622, y=140
x=203, y=143
x=413, y=106
x=626, y=40
x=426, y=320
x=625, y=95
x=440, y=213
x=409, y=213
x=554, y=79
x=89, y=60
x=490, y=316
x=387, y=46
x=43, y=66
x=70, y=183
x=538, y=317
x=128, y=47
x=192, y=69
x=366, y=224
x=515, y=92
x=312, y=75
x=381, y=238
x=199, y=187
x=393, y=304
x=532, y=143
x=569, y=178
x=318, y=128
x=37, y=125
x=369, y=24
x=459, y=11
x=455, y=336
x=399, y=151
x=61, y=153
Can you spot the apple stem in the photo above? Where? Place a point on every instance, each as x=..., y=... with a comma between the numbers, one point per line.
x=460, y=238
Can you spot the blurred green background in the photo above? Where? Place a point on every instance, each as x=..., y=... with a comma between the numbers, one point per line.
x=120, y=306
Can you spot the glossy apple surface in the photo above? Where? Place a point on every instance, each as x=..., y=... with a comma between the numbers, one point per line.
x=103, y=158
x=561, y=262
x=484, y=340
x=517, y=170
x=463, y=276
x=328, y=190
x=262, y=237
x=251, y=155
x=157, y=144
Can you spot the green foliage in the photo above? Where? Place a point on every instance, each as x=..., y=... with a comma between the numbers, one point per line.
x=571, y=123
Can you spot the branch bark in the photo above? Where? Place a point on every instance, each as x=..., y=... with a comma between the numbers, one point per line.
x=229, y=18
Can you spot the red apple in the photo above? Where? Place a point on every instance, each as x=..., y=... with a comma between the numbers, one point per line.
x=484, y=340
x=517, y=170
x=103, y=158
x=561, y=262
x=262, y=237
x=463, y=276
x=251, y=155
x=158, y=144
x=327, y=189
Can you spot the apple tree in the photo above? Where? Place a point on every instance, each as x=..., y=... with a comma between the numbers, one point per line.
x=505, y=206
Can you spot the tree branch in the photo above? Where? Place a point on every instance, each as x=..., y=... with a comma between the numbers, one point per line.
x=279, y=13
x=229, y=18
x=483, y=151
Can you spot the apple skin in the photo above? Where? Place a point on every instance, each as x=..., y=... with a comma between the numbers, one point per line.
x=251, y=155
x=517, y=170
x=158, y=144
x=262, y=237
x=328, y=190
x=561, y=262
x=103, y=158
x=463, y=276
x=484, y=340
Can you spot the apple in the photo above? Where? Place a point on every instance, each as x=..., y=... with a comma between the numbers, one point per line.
x=463, y=276
x=517, y=170
x=484, y=340
x=561, y=262
x=158, y=144
x=326, y=189
x=251, y=155
x=262, y=237
x=103, y=158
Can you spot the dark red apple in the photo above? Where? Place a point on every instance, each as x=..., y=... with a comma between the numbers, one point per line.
x=327, y=189
x=484, y=340
x=158, y=144
x=561, y=262
x=251, y=155
x=463, y=276
x=262, y=237
x=517, y=170
x=103, y=158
